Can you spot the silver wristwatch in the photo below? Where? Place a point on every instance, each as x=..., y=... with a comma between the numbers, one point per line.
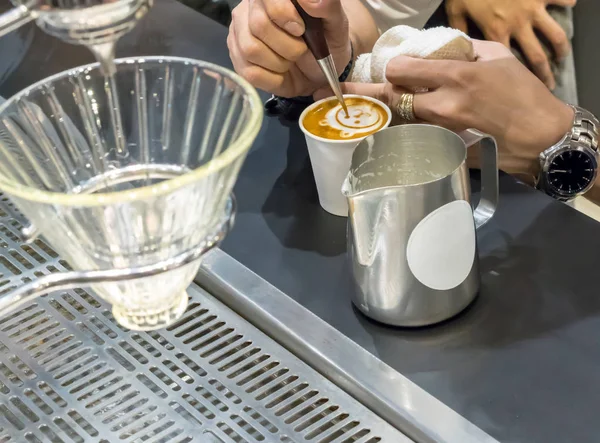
x=569, y=168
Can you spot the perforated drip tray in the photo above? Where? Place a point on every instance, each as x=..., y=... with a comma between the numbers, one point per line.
x=70, y=373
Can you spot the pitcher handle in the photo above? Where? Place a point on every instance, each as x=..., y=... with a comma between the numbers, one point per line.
x=489, y=175
x=16, y=17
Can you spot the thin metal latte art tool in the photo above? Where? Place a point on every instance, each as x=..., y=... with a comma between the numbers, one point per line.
x=314, y=36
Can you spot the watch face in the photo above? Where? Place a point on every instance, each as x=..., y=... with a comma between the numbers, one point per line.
x=571, y=172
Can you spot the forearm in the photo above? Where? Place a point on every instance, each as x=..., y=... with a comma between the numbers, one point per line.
x=363, y=30
x=549, y=133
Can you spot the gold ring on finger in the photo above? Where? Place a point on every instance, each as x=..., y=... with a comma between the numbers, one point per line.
x=405, y=107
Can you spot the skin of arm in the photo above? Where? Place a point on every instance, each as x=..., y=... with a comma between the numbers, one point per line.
x=496, y=94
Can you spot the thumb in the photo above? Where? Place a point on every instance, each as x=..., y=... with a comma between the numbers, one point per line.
x=335, y=20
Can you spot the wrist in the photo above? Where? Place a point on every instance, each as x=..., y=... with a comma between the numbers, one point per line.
x=558, y=125
x=551, y=127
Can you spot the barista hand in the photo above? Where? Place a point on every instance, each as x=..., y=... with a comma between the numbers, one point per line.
x=266, y=47
x=496, y=94
x=503, y=20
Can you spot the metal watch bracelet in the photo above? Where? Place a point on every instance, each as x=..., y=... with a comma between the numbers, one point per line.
x=582, y=137
x=585, y=129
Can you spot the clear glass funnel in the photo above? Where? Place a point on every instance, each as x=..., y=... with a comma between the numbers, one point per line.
x=126, y=172
x=88, y=22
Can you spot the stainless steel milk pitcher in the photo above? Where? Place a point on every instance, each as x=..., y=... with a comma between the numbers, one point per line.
x=411, y=228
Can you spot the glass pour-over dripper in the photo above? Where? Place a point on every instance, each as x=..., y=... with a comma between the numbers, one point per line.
x=133, y=190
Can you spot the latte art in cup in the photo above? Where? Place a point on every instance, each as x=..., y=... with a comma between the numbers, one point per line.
x=329, y=120
x=331, y=137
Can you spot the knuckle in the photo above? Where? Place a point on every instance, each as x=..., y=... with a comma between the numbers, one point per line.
x=460, y=75
x=251, y=75
x=537, y=59
x=278, y=10
x=498, y=32
x=251, y=49
x=451, y=109
x=236, y=13
x=259, y=21
x=559, y=38
x=296, y=51
x=468, y=76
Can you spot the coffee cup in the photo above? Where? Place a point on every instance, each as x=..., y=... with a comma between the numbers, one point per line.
x=331, y=137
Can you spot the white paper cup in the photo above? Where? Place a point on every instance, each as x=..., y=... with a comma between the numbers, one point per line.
x=331, y=160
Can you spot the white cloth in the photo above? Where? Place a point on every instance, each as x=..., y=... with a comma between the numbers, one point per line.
x=389, y=13
x=435, y=43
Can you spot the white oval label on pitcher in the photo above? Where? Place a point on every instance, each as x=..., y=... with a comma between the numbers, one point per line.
x=441, y=248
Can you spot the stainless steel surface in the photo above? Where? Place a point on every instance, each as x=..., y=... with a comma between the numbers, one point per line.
x=328, y=67
x=381, y=388
x=69, y=372
x=16, y=17
x=90, y=22
x=63, y=281
x=406, y=191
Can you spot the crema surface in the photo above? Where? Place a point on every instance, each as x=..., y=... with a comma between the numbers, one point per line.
x=328, y=120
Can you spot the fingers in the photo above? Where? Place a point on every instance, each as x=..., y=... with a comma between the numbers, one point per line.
x=490, y=50
x=554, y=33
x=497, y=33
x=384, y=92
x=284, y=14
x=262, y=42
x=257, y=75
x=443, y=110
x=254, y=51
x=335, y=21
x=258, y=26
x=431, y=107
x=536, y=56
x=412, y=72
x=458, y=20
x=380, y=91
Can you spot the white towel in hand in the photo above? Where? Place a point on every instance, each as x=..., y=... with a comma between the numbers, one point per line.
x=435, y=43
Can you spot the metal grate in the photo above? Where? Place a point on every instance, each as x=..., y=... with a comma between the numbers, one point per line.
x=70, y=373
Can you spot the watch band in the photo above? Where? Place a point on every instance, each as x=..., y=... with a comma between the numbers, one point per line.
x=584, y=128
x=583, y=136
x=346, y=72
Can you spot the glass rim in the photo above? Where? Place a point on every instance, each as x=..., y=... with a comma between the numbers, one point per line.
x=236, y=149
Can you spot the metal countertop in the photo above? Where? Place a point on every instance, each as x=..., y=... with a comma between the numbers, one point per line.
x=70, y=372
x=521, y=363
